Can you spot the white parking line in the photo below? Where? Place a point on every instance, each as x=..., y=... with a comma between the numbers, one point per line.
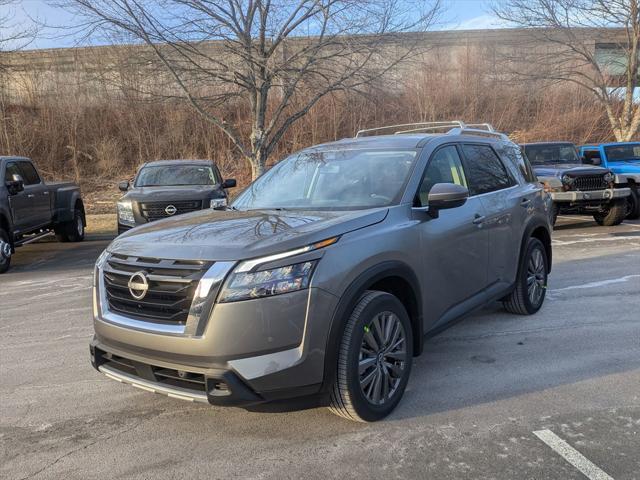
x=598, y=284
x=571, y=455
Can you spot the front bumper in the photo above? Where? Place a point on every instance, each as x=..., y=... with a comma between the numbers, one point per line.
x=263, y=349
x=590, y=196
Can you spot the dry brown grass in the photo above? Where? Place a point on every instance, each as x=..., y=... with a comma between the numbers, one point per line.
x=101, y=143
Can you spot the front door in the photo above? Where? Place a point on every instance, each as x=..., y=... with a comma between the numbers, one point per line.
x=454, y=246
x=22, y=215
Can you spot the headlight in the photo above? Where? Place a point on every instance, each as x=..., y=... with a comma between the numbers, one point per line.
x=218, y=203
x=125, y=213
x=609, y=177
x=266, y=283
x=567, y=180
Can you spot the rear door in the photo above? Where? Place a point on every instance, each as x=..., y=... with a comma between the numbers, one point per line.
x=505, y=201
x=37, y=193
x=455, y=248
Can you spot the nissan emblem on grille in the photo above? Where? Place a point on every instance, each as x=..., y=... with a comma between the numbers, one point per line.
x=170, y=210
x=138, y=285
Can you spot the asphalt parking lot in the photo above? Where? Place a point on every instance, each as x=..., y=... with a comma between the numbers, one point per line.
x=474, y=400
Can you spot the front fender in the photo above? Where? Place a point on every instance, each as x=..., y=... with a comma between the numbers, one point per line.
x=348, y=301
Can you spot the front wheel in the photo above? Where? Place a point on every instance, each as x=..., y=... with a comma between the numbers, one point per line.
x=5, y=251
x=531, y=285
x=374, y=359
x=614, y=215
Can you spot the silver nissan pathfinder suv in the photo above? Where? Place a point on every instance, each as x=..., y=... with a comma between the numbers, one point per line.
x=325, y=275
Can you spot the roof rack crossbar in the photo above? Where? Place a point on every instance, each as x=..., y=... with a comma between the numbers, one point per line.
x=416, y=127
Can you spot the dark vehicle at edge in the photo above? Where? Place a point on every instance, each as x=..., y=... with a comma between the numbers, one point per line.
x=577, y=189
x=165, y=188
x=31, y=209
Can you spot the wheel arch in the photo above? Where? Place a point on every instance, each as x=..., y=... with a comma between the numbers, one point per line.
x=393, y=277
x=542, y=233
x=5, y=224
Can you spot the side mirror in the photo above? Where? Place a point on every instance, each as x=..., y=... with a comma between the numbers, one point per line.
x=229, y=183
x=443, y=196
x=15, y=185
x=123, y=186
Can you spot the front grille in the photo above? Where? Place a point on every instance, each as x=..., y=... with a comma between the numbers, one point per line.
x=171, y=286
x=590, y=182
x=157, y=210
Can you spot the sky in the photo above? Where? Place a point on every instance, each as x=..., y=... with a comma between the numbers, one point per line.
x=459, y=15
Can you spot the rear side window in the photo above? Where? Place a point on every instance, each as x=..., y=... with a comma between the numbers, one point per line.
x=485, y=171
x=29, y=173
x=521, y=162
x=444, y=167
x=11, y=170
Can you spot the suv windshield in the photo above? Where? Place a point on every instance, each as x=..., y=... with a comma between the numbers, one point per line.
x=543, y=154
x=623, y=152
x=348, y=179
x=173, y=175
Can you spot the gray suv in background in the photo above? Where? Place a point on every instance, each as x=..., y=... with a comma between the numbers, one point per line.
x=325, y=275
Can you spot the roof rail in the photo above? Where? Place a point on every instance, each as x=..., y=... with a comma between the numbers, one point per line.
x=413, y=127
x=453, y=127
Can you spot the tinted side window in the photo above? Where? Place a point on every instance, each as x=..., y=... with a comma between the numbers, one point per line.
x=29, y=173
x=444, y=167
x=485, y=171
x=521, y=162
x=11, y=170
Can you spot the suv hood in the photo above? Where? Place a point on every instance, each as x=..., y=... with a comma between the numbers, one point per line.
x=573, y=169
x=236, y=235
x=170, y=194
x=628, y=166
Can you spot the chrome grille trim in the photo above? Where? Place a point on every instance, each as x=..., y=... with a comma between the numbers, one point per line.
x=200, y=303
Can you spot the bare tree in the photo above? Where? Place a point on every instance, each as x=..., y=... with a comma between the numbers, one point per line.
x=609, y=70
x=277, y=58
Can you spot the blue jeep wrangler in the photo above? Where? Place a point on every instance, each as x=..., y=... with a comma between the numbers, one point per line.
x=623, y=159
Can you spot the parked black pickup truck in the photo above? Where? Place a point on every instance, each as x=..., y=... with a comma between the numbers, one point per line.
x=576, y=188
x=165, y=188
x=31, y=209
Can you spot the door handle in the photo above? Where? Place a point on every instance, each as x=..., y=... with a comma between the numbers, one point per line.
x=478, y=219
x=525, y=202
x=46, y=192
x=31, y=195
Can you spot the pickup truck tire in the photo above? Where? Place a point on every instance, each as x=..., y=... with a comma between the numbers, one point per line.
x=374, y=359
x=634, y=204
x=614, y=215
x=531, y=284
x=72, y=231
x=5, y=262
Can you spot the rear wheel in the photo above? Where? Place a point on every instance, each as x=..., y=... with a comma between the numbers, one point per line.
x=614, y=215
x=72, y=231
x=5, y=251
x=374, y=360
x=531, y=285
x=633, y=207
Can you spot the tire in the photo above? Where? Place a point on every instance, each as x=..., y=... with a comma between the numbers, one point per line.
x=614, y=215
x=72, y=231
x=5, y=262
x=634, y=204
x=351, y=396
x=532, y=274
